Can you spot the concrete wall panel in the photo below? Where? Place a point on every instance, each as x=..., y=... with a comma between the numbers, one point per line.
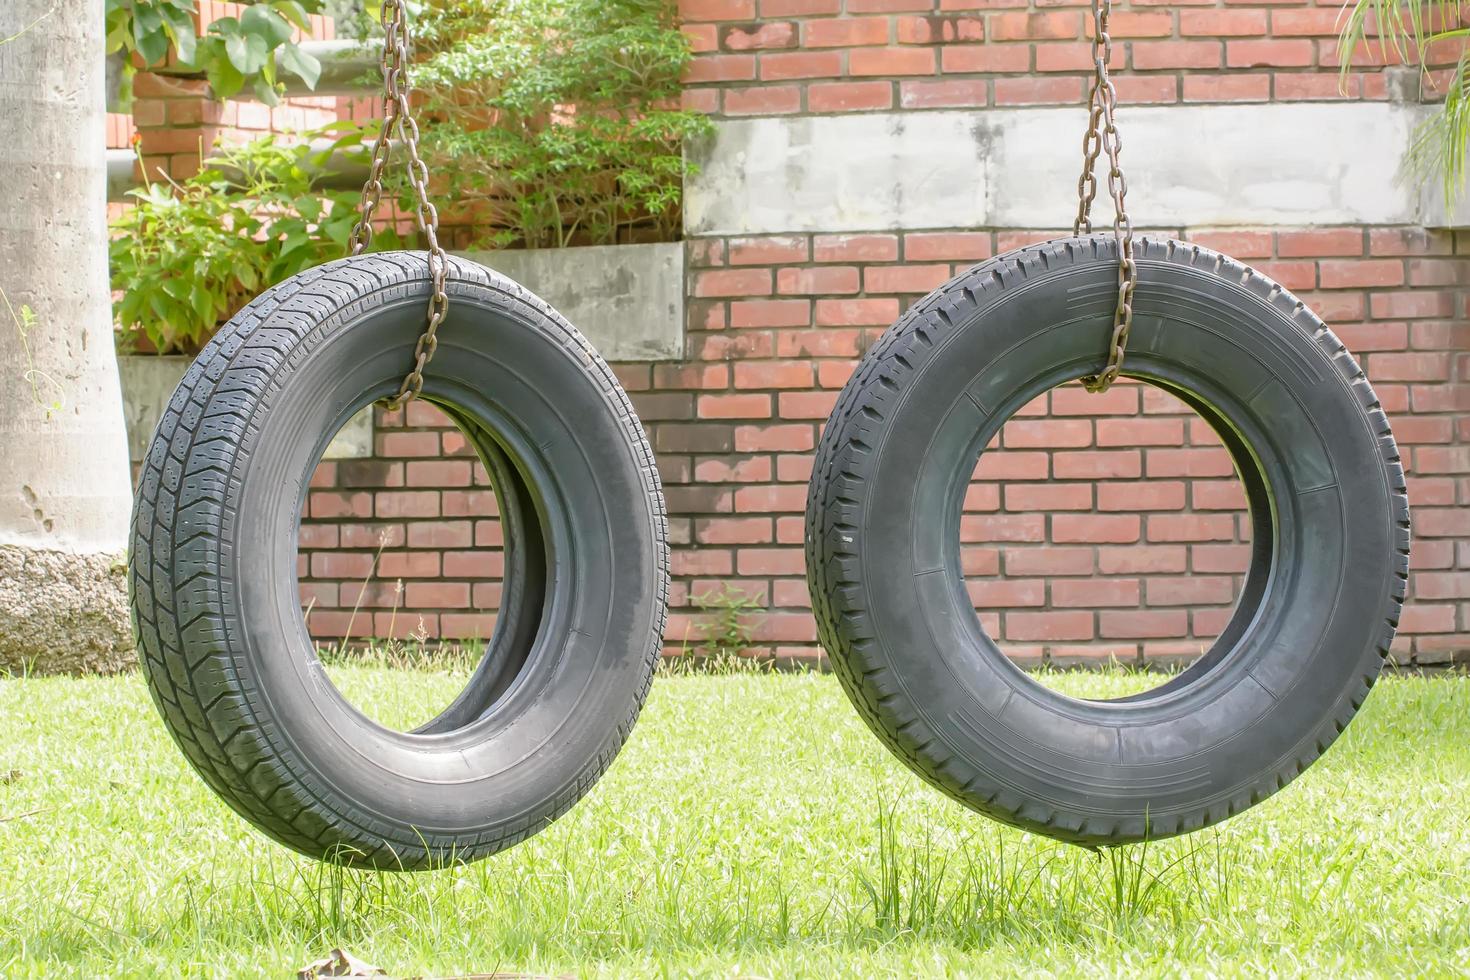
x=1288, y=164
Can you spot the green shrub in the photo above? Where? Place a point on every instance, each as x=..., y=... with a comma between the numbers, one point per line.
x=234, y=53
x=555, y=122
x=545, y=123
x=187, y=256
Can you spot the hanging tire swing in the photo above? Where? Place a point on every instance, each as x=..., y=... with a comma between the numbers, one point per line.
x=1310, y=443
x=223, y=643
x=1320, y=602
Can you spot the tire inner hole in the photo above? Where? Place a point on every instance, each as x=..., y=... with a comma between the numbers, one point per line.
x=405, y=558
x=1105, y=532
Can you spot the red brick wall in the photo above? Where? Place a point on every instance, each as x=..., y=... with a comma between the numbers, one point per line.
x=120, y=130
x=1062, y=564
x=786, y=56
x=778, y=323
x=1144, y=560
x=1106, y=525
x=406, y=543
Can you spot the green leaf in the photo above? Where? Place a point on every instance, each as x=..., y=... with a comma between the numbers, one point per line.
x=294, y=12
x=308, y=207
x=125, y=89
x=119, y=28
x=180, y=27
x=303, y=64
x=149, y=37
x=202, y=305
x=266, y=92
x=175, y=288
x=247, y=52
x=258, y=51
x=159, y=305
x=317, y=160
x=293, y=241
x=224, y=78
x=340, y=229
x=263, y=22
x=146, y=20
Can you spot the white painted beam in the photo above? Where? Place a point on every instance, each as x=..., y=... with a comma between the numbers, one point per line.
x=1285, y=164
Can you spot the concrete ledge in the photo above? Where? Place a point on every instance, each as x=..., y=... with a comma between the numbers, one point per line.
x=1286, y=164
x=148, y=382
x=628, y=300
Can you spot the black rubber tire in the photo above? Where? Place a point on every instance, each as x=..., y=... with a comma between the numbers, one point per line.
x=1319, y=606
x=219, y=624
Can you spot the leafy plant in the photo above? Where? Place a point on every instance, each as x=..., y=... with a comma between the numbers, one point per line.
x=1434, y=36
x=724, y=634
x=234, y=53
x=554, y=122
x=187, y=256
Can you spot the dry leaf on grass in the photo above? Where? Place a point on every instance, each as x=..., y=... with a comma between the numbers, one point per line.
x=339, y=963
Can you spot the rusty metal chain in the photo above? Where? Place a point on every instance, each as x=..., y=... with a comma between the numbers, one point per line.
x=1102, y=136
x=398, y=115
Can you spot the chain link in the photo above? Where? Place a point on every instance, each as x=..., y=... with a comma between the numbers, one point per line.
x=1102, y=136
x=398, y=115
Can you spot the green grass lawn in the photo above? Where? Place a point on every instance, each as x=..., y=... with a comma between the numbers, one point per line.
x=751, y=827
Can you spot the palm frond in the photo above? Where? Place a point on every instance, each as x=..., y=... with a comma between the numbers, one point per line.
x=1441, y=143
x=1409, y=30
x=1364, y=20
